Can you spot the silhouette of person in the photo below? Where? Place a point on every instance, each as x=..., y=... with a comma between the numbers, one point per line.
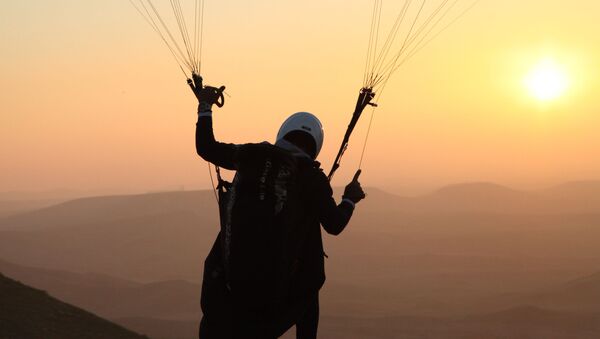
x=301, y=136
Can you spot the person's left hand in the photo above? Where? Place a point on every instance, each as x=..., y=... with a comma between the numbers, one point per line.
x=354, y=191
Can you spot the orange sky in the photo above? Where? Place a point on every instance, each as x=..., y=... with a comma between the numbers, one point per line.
x=91, y=100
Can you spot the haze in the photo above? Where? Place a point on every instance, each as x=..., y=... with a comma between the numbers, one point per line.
x=92, y=101
x=468, y=262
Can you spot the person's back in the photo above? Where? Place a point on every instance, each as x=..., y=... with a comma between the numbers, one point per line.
x=265, y=270
x=264, y=216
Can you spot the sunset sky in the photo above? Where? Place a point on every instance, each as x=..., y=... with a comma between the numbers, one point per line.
x=91, y=100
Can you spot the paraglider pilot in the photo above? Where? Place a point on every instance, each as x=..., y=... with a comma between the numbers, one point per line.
x=265, y=270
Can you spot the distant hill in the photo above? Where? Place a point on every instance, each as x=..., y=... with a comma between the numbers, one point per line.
x=12, y=207
x=56, y=279
x=165, y=236
x=15, y=202
x=163, y=329
x=578, y=295
x=29, y=313
x=430, y=254
x=63, y=195
x=478, y=197
x=577, y=196
x=483, y=197
x=477, y=191
x=156, y=237
x=523, y=322
x=575, y=189
x=515, y=323
x=533, y=322
x=107, y=209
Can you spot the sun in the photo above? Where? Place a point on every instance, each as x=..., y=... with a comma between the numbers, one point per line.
x=547, y=80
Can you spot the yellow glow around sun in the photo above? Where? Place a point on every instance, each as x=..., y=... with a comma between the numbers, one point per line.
x=547, y=80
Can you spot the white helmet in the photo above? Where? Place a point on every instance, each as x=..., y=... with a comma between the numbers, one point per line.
x=307, y=122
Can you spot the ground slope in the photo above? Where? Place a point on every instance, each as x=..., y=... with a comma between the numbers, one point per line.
x=29, y=313
x=113, y=298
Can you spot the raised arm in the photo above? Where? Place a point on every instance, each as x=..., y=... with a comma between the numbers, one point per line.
x=207, y=147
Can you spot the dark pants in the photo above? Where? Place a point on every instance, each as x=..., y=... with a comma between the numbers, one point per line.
x=225, y=325
x=307, y=324
x=224, y=318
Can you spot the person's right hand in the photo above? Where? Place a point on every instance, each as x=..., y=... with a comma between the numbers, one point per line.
x=206, y=95
x=354, y=191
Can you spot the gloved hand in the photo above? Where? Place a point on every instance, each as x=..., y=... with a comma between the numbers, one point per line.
x=354, y=191
x=206, y=95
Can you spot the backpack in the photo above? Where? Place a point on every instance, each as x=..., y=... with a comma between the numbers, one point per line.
x=264, y=216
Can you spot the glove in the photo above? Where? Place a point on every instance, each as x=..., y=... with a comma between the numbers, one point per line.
x=206, y=95
x=354, y=191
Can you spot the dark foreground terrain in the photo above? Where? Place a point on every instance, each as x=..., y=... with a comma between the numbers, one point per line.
x=29, y=313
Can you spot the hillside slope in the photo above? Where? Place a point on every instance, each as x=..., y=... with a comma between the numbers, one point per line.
x=112, y=298
x=29, y=313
